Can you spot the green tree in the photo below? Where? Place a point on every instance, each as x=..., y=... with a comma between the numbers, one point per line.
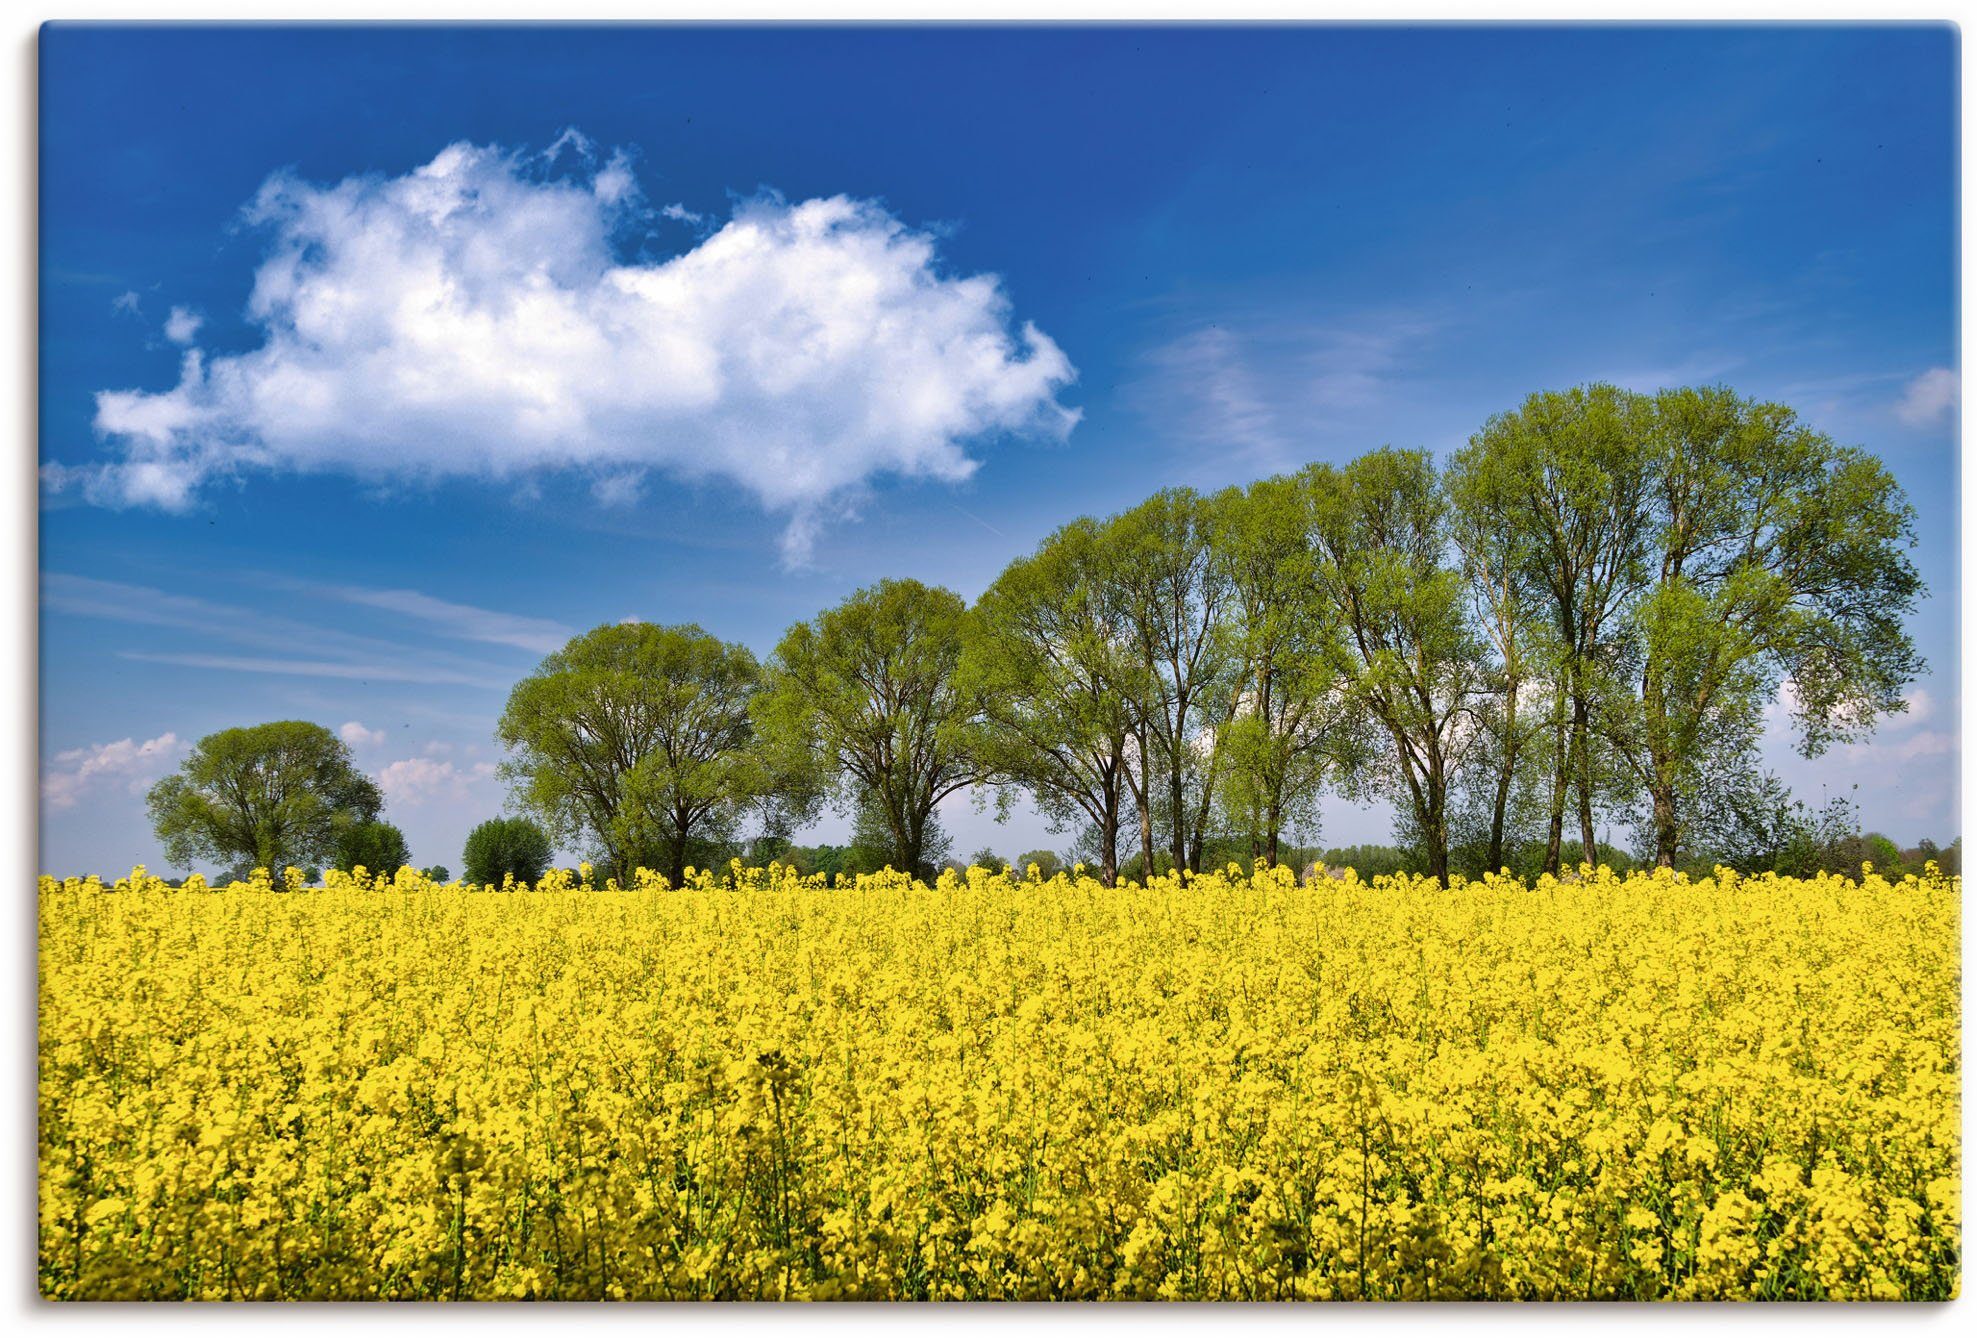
x=503, y=846
x=1406, y=654
x=1523, y=671
x=1567, y=476
x=1292, y=728
x=268, y=796
x=1777, y=557
x=376, y=846
x=703, y=776
x=1171, y=598
x=1885, y=854
x=866, y=700
x=1046, y=658
x=1047, y=862
x=635, y=738
x=438, y=873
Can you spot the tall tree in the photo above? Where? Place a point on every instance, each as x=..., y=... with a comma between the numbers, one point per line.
x=1047, y=659
x=635, y=737
x=869, y=695
x=1572, y=470
x=1291, y=729
x=268, y=796
x=1172, y=599
x=1406, y=652
x=1499, y=553
x=692, y=791
x=1777, y=557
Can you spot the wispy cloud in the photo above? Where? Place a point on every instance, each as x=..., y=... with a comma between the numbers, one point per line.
x=464, y=622
x=267, y=664
x=1205, y=380
x=1262, y=388
x=1928, y=399
x=330, y=652
x=75, y=771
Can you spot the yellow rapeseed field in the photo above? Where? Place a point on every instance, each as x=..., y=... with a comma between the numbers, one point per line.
x=1231, y=1086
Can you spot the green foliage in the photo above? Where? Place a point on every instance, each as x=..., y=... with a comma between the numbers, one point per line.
x=1169, y=598
x=503, y=846
x=271, y=796
x=1046, y=861
x=866, y=700
x=1370, y=861
x=376, y=846
x=1779, y=557
x=1046, y=659
x=1406, y=655
x=1291, y=729
x=439, y=873
x=637, y=739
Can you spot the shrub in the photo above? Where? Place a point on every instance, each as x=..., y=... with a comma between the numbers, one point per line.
x=503, y=846
x=376, y=845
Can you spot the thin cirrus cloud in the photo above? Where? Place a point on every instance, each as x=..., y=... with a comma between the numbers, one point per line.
x=464, y=621
x=383, y=672
x=473, y=318
x=1261, y=387
x=331, y=653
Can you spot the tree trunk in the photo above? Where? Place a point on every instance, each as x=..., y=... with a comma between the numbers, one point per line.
x=1495, y=860
x=916, y=845
x=1198, y=833
x=1555, y=832
x=1583, y=748
x=1108, y=828
x=1177, y=804
x=1435, y=837
x=1665, y=829
x=1503, y=781
x=678, y=873
x=1142, y=800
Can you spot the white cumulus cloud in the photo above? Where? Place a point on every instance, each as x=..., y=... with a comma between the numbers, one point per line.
x=1929, y=398
x=182, y=325
x=414, y=780
x=75, y=771
x=356, y=735
x=475, y=318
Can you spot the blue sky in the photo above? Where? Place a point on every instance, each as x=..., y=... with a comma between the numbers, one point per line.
x=789, y=311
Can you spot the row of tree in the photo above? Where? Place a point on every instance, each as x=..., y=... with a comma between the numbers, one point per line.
x=1581, y=619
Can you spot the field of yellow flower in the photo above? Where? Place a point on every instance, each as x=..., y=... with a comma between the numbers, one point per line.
x=1230, y=1087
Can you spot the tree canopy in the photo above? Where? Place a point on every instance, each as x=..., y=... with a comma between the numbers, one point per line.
x=867, y=699
x=269, y=796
